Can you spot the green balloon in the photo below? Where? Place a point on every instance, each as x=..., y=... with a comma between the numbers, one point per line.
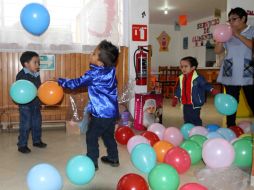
x=243, y=153
x=194, y=150
x=198, y=139
x=163, y=177
x=250, y=138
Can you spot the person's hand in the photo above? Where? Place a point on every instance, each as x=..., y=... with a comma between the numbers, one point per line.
x=174, y=101
x=214, y=92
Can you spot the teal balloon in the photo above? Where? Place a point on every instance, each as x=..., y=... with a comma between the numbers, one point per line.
x=44, y=177
x=185, y=130
x=23, y=91
x=80, y=170
x=228, y=134
x=225, y=104
x=143, y=158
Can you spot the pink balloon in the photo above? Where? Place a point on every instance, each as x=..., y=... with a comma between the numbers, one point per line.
x=193, y=186
x=198, y=130
x=222, y=32
x=158, y=129
x=135, y=140
x=218, y=153
x=173, y=135
x=245, y=126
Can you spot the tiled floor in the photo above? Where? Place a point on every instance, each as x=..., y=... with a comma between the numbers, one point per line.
x=14, y=166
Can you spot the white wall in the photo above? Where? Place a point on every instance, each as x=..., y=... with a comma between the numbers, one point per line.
x=164, y=58
x=176, y=51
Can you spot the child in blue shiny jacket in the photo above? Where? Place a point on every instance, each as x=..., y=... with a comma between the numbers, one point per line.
x=103, y=105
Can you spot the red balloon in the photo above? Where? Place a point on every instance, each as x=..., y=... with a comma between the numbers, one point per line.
x=179, y=159
x=152, y=137
x=132, y=182
x=237, y=130
x=193, y=186
x=123, y=134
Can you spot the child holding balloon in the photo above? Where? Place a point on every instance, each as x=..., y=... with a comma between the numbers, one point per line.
x=191, y=91
x=30, y=113
x=103, y=104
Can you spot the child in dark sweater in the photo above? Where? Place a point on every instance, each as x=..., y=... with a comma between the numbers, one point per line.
x=30, y=113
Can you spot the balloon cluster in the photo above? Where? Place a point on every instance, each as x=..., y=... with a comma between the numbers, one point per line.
x=80, y=170
x=24, y=91
x=164, y=153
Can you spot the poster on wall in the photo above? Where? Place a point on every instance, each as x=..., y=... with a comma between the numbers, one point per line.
x=47, y=62
x=185, y=43
x=163, y=40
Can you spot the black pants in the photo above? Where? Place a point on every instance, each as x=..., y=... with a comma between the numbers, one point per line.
x=105, y=128
x=235, y=92
x=192, y=115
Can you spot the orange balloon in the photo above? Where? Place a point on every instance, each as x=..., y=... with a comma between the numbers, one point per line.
x=161, y=148
x=50, y=93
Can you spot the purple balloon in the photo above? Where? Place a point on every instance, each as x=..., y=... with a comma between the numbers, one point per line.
x=173, y=135
x=218, y=153
x=136, y=140
x=198, y=130
x=158, y=129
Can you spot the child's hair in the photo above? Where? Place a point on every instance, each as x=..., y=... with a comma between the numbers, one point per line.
x=192, y=60
x=27, y=56
x=240, y=12
x=108, y=53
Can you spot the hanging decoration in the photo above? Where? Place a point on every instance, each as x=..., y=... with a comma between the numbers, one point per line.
x=163, y=40
x=200, y=40
x=182, y=20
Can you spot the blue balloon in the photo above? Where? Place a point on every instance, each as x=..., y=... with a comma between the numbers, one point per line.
x=80, y=170
x=23, y=91
x=185, y=129
x=212, y=127
x=213, y=135
x=228, y=134
x=143, y=158
x=44, y=177
x=225, y=104
x=35, y=18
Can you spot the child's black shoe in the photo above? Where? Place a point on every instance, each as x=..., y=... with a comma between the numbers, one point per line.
x=24, y=150
x=40, y=145
x=113, y=163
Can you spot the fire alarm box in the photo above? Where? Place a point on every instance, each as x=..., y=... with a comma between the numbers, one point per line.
x=139, y=32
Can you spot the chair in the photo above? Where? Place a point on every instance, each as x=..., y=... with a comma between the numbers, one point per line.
x=173, y=74
x=162, y=78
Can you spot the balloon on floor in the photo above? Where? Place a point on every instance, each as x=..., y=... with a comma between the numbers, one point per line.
x=44, y=177
x=123, y=135
x=23, y=91
x=80, y=170
x=132, y=182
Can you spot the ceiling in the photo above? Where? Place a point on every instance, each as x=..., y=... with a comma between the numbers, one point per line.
x=194, y=9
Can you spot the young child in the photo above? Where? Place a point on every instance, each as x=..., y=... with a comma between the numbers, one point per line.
x=191, y=91
x=30, y=114
x=149, y=111
x=103, y=104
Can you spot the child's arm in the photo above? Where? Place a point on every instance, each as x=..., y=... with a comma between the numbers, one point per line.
x=204, y=84
x=84, y=80
x=176, y=96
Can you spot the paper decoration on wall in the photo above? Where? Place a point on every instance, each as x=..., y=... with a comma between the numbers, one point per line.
x=177, y=27
x=200, y=40
x=217, y=13
x=163, y=40
x=185, y=43
x=182, y=20
x=111, y=13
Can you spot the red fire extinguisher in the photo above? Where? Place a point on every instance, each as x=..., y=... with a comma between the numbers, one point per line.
x=140, y=64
